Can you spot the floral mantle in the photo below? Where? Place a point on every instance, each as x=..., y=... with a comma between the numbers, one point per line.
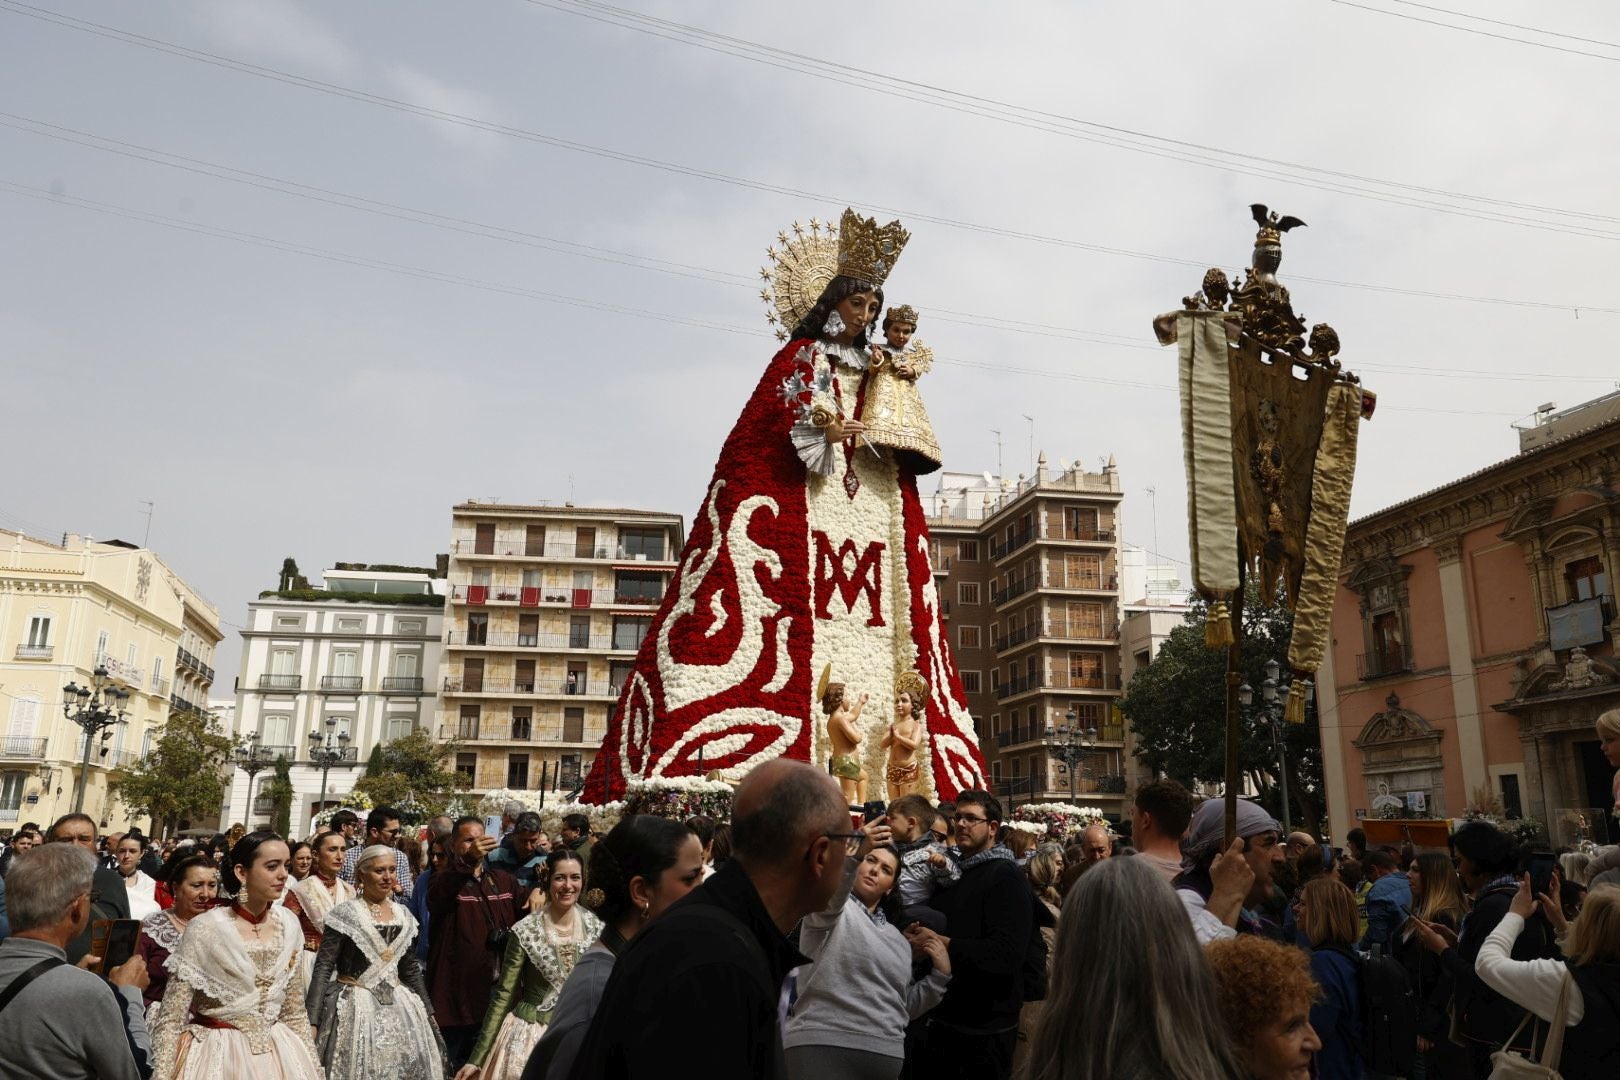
x=1060, y=820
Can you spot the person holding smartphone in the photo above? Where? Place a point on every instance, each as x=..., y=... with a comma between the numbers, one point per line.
x=471, y=909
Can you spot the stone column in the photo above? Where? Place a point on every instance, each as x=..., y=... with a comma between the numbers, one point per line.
x=1460, y=658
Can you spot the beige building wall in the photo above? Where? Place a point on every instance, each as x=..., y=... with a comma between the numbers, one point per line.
x=65, y=610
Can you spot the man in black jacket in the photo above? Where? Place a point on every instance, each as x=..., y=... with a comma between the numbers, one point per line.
x=705, y=978
x=109, y=898
x=988, y=924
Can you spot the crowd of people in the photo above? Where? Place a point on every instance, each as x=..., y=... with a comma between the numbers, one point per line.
x=800, y=940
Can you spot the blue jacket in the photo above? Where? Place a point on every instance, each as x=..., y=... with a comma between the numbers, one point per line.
x=1388, y=895
x=418, y=905
x=1337, y=1016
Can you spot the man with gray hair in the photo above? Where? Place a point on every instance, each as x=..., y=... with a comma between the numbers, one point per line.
x=57, y=1020
x=712, y=966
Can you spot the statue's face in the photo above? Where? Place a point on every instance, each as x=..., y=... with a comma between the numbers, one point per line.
x=857, y=311
x=902, y=706
x=899, y=334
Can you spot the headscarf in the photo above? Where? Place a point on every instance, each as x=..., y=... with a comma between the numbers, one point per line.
x=1208, y=828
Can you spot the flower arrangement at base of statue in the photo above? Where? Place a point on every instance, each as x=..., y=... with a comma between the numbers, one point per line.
x=1034, y=827
x=809, y=552
x=680, y=798
x=495, y=802
x=603, y=816
x=352, y=801
x=1061, y=820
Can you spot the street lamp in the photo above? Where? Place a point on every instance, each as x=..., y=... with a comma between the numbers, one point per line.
x=95, y=708
x=252, y=759
x=1069, y=743
x=327, y=751
x=1271, y=709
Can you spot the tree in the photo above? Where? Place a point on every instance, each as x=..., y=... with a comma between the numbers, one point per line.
x=374, y=760
x=182, y=776
x=279, y=790
x=413, y=777
x=1177, y=709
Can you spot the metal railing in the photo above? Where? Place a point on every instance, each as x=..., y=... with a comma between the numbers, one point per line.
x=281, y=682
x=35, y=652
x=1060, y=680
x=1013, y=590
x=1023, y=733
x=398, y=683
x=1090, y=536
x=1376, y=665
x=342, y=682
x=160, y=686
x=1057, y=578
x=1014, y=638
x=508, y=640
x=186, y=705
x=534, y=732
x=554, y=549
x=188, y=660
x=580, y=688
x=1017, y=540
x=21, y=748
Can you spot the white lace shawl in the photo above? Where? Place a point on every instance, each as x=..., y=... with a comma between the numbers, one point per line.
x=353, y=920
x=542, y=950
x=161, y=929
x=213, y=960
x=317, y=902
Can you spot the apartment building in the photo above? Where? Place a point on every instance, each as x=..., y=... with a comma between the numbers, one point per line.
x=351, y=662
x=67, y=611
x=1028, y=573
x=547, y=607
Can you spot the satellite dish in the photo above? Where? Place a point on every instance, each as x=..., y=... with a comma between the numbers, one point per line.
x=988, y=479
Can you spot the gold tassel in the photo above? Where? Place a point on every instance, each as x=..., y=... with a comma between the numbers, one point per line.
x=1298, y=690
x=1218, y=627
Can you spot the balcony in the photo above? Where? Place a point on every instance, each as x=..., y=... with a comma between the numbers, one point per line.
x=179, y=703
x=160, y=686
x=1014, y=638
x=35, y=652
x=579, y=688
x=281, y=682
x=507, y=640
x=467, y=546
x=550, y=734
x=1013, y=590
x=1018, y=736
x=1003, y=548
x=1084, y=535
x=131, y=676
x=342, y=683
x=1057, y=579
x=1377, y=665
x=402, y=684
x=114, y=759
x=272, y=752
x=1060, y=680
x=191, y=663
x=21, y=748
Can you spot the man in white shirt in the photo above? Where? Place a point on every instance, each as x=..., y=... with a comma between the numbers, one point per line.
x=1220, y=888
x=1160, y=814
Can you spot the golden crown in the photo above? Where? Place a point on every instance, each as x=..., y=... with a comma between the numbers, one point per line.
x=904, y=314
x=867, y=250
x=912, y=682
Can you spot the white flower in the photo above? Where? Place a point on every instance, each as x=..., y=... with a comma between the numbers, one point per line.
x=695, y=785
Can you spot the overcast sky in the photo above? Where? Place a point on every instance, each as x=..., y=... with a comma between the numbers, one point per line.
x=288, y=395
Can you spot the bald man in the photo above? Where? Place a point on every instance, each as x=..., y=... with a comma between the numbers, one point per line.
x=1298, y=844
x=712, y=967
x=1096, y=843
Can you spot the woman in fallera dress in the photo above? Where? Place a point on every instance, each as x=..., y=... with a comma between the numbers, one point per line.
x=193, y=882
x=231, y=1008
x=540, y=954
x=316, y=894
x=367, y=997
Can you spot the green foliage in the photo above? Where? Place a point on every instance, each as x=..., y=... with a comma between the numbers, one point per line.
x=412, y=776
x=183, y=776
x=374, y=761
x=321, y=596
x=387, y=568
x=279, y=790
x=290, y=577
x=1177, y=708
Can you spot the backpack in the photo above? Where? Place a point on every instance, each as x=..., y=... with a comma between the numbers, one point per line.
x=1388, y=1014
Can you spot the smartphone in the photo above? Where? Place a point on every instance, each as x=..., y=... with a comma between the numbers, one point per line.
x=1542, y=864
x=871, y=811
x=114, y=941
x=492, y=826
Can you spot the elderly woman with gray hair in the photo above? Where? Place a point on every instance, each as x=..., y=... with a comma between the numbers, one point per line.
x=367, y=996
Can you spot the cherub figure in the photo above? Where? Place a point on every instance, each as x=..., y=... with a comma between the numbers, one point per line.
x=844, y=733
x=894, y=416
x=905, y=735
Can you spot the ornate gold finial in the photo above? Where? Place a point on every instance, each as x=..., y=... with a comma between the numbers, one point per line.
x=867, y=250
x=904, y=314
x=1271, y=226
x=1216, y=288
x=1324, y=342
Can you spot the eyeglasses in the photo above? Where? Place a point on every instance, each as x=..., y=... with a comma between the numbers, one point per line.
x=969, y=819
x=852, y=840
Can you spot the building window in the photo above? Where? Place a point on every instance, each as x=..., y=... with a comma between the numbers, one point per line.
x=467, y=728
x=133, y=656
x=1086, y=670
x=11, y=790
x=477, y=628
x=629, y=632
x=277, y=734
x=157, y=671
x=970, y=682
x=967, y=550
x=400, y=726
x=467, y=767
x=411, y=627
x=967, y=637
x=967, y=592
x=568, y=770
x=522, y=722
x=573, y=729
x=995, y=723
x=579, y=631
x=643, y=543
x=39, y=631
x=638, y=587
x=286, y=622
x=101, y=647
x=1080, y=523
x=1512, y=802
x=349, y=624
x=534, y=540
x=1585, y=578
x=517, y=771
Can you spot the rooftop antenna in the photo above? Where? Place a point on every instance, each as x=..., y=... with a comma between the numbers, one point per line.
x=997, y=434
x=1031, y=420
x=1153, y=500
x=146, y=541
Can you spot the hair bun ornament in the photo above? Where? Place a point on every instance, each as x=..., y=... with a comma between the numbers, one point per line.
x=595, y=898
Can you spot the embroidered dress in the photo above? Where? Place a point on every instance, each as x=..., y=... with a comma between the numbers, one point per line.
x=232, y=1008
x=160, y=938
x=803, y=554
x=538, y=960
x=311, y=899
x=368, y=1000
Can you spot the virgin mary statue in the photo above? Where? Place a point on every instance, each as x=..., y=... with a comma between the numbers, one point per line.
x=808, y=554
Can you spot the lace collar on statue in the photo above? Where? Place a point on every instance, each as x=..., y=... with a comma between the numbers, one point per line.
x=851, y=356
x=353, y=920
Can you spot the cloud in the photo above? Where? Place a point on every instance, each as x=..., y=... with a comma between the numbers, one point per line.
x=420, y=88
x=279, y=29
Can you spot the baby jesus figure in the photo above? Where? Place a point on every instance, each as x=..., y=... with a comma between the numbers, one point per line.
x=893, y=415
x=905, y=735
x=844, y=733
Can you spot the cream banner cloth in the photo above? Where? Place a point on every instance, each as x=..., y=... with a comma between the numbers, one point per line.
x=1206, y=430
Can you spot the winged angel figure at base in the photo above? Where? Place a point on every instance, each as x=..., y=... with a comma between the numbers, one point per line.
x=809, y=552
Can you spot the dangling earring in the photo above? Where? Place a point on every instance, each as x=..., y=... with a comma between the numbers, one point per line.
x=644, y=911
x=834, y=324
